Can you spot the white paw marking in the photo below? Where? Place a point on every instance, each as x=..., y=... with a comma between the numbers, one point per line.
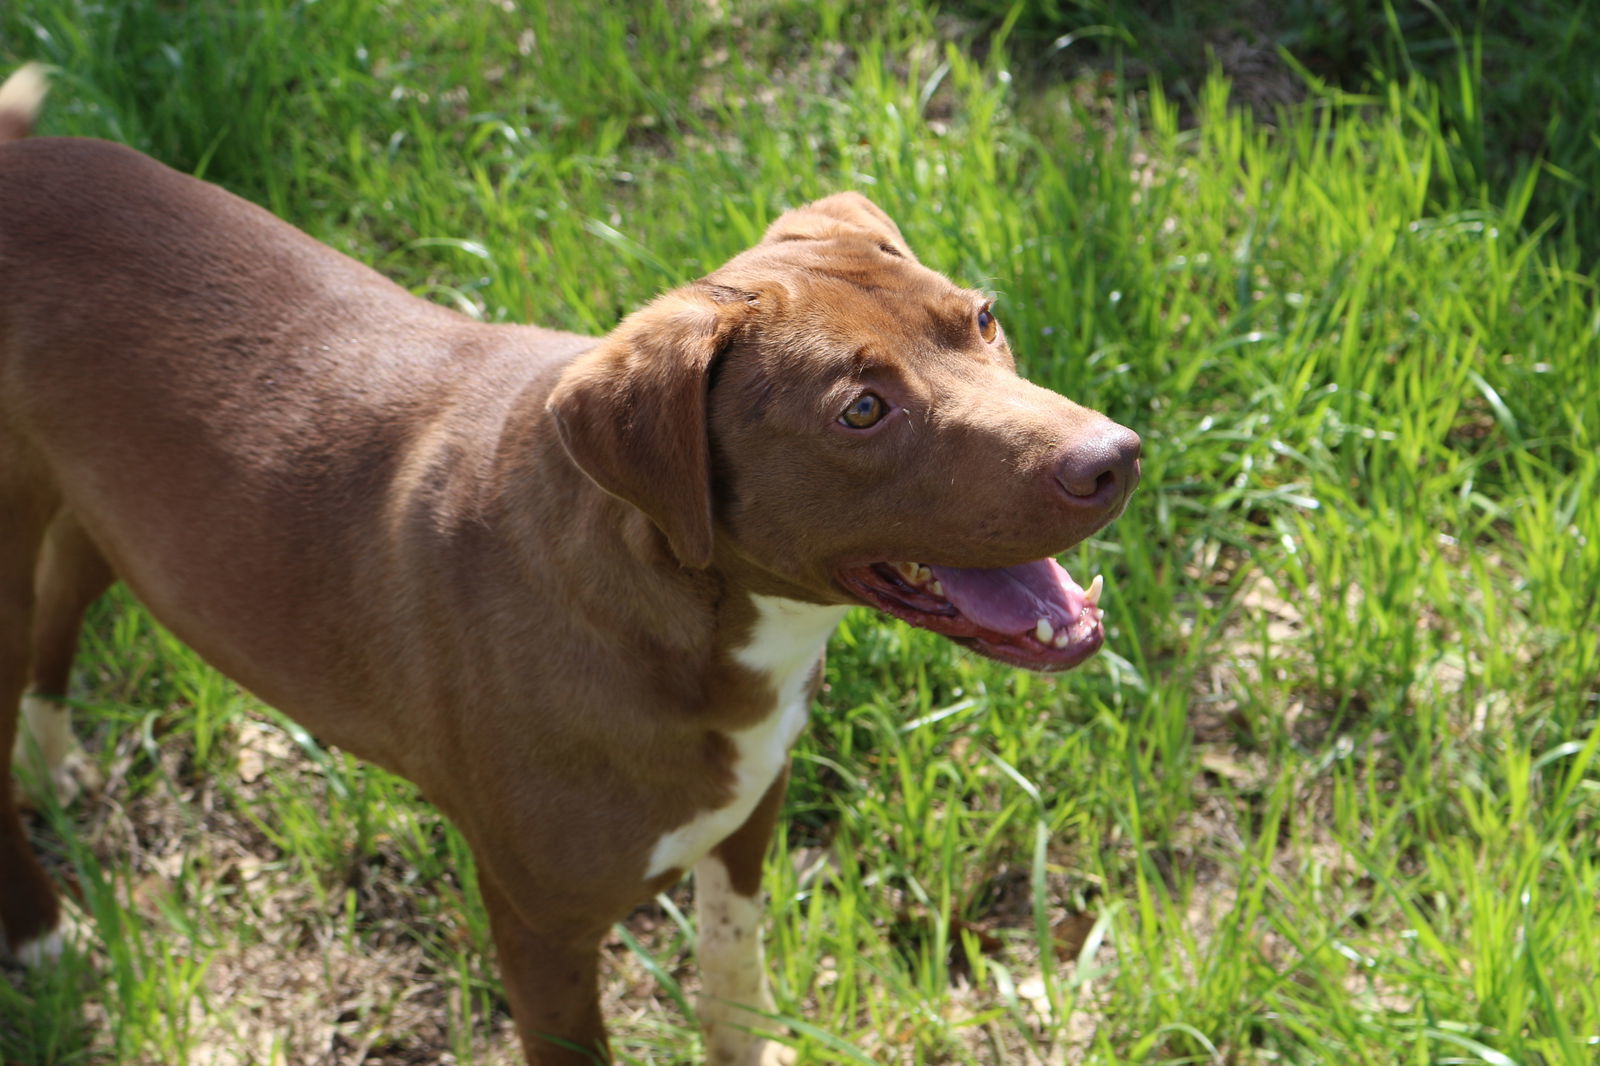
x=47, y=729
x=733, y=973
x=45, y=741
x=41, y=950
x=775, y=1054
x=788, y=641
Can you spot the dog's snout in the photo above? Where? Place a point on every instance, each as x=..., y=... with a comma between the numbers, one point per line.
x=1101, y=469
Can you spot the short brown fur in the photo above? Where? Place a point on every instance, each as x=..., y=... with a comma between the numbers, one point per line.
x=511, y=564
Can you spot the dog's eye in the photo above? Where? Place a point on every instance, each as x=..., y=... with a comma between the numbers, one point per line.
x=865, y=410
x=988, y=328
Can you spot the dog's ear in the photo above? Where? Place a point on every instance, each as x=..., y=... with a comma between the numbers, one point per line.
x=631, y=411
x=832, y=217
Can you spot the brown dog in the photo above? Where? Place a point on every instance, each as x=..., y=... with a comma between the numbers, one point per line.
x=576, y=589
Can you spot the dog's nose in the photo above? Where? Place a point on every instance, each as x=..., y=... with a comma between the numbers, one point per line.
x=1101, y=469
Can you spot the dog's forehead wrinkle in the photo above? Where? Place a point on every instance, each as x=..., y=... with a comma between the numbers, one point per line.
x=858, y=259
x=829, y=343
x=786, y=363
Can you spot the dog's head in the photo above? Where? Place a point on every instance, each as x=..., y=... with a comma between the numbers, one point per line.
x=827, y=419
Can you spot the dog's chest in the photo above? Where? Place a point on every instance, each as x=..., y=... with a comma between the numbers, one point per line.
x=787, y=643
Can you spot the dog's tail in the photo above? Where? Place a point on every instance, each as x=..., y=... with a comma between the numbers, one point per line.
x=20, y=98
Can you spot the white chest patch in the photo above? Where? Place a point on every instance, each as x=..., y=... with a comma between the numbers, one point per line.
x=788, y=640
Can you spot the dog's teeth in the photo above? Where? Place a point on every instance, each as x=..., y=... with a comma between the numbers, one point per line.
x=937, y=587
x=907, y=570
x=1044, y=631
x=1063, y=638
x=924, y=575
x=1091, y=595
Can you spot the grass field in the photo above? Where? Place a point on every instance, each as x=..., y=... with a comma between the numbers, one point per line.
x=1329, y=794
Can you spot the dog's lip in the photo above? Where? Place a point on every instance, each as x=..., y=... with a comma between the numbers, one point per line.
x=1049, y=661
x=1032, y=615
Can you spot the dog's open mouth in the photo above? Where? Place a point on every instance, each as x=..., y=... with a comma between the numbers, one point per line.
x=1032, y=615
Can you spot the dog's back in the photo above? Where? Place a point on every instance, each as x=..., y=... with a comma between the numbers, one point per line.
x=228, y=409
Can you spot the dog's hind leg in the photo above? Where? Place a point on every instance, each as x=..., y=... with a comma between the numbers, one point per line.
x=28, y=908
x=69, y=576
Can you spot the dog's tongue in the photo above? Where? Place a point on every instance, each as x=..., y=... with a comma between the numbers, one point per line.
x=1014, y=598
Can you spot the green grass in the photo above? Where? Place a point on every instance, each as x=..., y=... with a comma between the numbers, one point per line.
x=1329, y=795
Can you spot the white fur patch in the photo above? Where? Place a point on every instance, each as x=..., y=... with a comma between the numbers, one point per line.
x=41, y=950
x=45, y=745
x=47, y=729
x=23, y=92
x=733, y=974
x=789, y=639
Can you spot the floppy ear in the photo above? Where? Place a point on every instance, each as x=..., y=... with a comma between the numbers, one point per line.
x=823, y=219
x=631, y=412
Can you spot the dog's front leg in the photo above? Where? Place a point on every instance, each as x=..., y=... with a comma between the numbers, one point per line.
x=551, y=978
x=733, y=974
